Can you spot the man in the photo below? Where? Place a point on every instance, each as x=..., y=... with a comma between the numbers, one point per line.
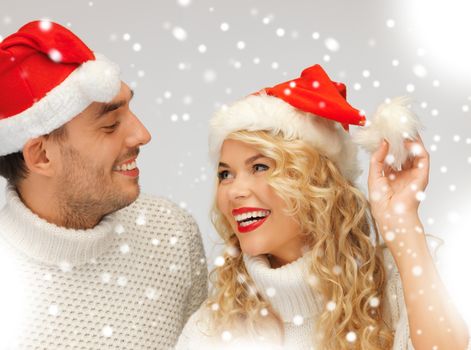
x=86, y=261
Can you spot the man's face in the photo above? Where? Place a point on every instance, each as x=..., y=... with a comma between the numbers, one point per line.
x=96, y=171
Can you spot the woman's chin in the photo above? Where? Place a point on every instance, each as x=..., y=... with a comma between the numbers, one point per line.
x=252, y=250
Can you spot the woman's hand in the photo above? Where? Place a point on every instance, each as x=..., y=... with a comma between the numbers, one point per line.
x=395, y=195
x=395, y=198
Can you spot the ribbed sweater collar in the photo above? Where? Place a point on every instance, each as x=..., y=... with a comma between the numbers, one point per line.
x=49, y=243
x=286, y=288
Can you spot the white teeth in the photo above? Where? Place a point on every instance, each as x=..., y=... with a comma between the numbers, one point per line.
x=126, y=167
x=253, y=214
x=247, y=223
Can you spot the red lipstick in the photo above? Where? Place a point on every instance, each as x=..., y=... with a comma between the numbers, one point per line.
x=252, y=226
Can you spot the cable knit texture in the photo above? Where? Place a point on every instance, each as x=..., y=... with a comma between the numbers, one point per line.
x=129, y=283
x=289, y=293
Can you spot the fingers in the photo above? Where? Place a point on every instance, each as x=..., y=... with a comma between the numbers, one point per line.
x=419, y=160
x=377, y=162
x=417, y=153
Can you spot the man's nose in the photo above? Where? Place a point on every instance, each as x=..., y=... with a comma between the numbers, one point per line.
x=138, y=134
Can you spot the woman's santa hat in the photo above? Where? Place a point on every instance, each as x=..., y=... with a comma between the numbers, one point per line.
x=47, y=77
x=314, y=108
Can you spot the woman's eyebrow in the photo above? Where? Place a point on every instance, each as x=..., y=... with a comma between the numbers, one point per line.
x=247, y=161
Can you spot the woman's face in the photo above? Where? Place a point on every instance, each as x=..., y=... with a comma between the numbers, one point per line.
x=252, y=207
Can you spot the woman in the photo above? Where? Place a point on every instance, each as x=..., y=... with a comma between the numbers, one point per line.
x=303, y=267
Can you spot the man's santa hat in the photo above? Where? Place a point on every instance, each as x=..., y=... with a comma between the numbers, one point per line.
x=314, y=108
x=47, y=77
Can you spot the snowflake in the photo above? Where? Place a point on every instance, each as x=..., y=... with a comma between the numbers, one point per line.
x=219, y=261
x=374, y=302
x=65, y=266
x=53, y=310
x=107, y=331
x=224, y=27
x=420, y=71
x=351, y=337
x=45, y=25
x=179, y=33
x=106, y=277
x=390, y=236
x=280, y=32
x=332, y=44
x=417, y=270
x=420, y=196
x=119, y=229
x=390, y=23
x=122, y=281
x=141, y=219
x=226, y=336
x=337, y=270
x=331, y=305
x=271, y=292
x=124, y=248
x=410, y=88
x=55, y=55
x=184, y=3
x=241, y=45
x=298, y=320
x=209, y=76
x=151, y=293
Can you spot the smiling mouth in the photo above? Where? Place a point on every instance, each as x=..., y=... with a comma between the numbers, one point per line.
x=129, y=168
x=248, y=219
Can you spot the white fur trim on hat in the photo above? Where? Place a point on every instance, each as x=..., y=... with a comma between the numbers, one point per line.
x=94, y=81
x=393, y=122
x=263, y=112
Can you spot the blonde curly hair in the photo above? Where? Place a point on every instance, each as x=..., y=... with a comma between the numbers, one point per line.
x=344, y=255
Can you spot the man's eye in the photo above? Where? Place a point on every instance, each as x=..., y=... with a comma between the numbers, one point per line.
x=112, y=127
x=260, y=167
x=224, y=175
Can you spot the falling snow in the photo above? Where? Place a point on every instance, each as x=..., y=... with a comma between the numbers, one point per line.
x=107, y=331
x=179, y=33
x=351, y=337
x=370, y=80
x=331, y=305
x=271, y=292
x=332, y=44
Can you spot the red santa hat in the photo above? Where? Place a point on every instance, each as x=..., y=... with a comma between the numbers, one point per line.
x=47, y=77
x=314, y=108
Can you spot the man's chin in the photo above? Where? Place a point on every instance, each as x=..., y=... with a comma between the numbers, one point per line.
x=126, y=197
x=132, y=194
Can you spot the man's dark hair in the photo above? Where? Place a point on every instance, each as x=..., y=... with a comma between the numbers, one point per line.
x=13, y=167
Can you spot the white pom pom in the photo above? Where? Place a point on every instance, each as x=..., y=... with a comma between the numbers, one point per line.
x=393, y=122
x=99, y=79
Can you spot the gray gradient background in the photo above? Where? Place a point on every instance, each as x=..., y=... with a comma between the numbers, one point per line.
x=175, y=163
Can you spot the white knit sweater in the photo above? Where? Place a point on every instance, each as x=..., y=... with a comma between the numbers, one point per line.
x=129, y=283
x=292, y=298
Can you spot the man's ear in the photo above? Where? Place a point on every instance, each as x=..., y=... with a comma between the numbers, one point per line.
x=35, y=154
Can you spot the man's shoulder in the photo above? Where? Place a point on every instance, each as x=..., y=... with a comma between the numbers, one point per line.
x=157, y=212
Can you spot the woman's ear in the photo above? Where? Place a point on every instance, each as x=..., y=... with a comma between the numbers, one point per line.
x=35, y=154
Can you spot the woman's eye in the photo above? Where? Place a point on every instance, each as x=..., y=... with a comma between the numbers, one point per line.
x=224, y=174
x=260, y=167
